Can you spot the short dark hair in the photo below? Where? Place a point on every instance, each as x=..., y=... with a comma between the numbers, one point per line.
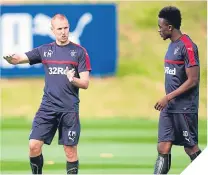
x=172, y=15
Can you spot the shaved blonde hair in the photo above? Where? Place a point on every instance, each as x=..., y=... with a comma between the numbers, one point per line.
x=58, y=16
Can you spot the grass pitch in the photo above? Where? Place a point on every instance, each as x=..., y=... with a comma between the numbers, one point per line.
x=107, y=146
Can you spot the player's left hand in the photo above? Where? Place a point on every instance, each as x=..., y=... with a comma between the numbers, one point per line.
x=70, y=74
x=161, y=103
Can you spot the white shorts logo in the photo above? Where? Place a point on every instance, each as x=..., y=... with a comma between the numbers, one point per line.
x=72, y=135
x=186, y=135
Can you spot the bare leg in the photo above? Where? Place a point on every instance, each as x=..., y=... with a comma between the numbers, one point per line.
x=72, y=164
x=36, y=157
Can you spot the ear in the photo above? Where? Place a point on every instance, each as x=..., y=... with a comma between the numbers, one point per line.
x=170, y=27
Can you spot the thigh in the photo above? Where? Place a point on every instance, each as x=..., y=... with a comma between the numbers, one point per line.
x=186, y=129
x=44, y=126
x=166, y=130
x=69, y=129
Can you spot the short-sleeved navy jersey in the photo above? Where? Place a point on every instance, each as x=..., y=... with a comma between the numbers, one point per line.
x=59, y=93
x=181, y=54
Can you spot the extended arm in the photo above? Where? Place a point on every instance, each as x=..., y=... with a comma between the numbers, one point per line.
x=31, y=57
x=16, y=58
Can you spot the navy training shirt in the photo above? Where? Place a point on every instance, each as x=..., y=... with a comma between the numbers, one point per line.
x=180, y=55
x=59, y=94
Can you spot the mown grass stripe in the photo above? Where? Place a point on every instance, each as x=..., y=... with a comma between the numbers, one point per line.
x=23, y=166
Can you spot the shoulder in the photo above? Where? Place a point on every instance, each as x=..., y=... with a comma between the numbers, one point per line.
x=49, y=45
x=187, y=43
x=45, y=48
x=79, y=48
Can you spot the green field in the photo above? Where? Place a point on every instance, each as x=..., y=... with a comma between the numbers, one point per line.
x=117, y=146
x=109, y=144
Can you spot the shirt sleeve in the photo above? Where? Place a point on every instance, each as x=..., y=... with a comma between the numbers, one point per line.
x=190, y=54
x=84, y=62
x=34, y=56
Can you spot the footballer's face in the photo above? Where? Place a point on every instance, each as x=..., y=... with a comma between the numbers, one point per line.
x=60, y=28
x=165, y=30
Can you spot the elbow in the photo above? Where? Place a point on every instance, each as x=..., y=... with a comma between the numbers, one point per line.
x=86, y=85
x=195, y=82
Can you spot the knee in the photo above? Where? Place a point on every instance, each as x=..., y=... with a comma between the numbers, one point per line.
x=164, y=147
x=71, y=153
x=35, y=147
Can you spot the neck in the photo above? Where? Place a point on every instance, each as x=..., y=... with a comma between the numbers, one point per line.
x=62, y=43
x=176, y=35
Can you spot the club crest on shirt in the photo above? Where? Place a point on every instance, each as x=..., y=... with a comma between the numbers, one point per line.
x=176, y=50
x=73, y=53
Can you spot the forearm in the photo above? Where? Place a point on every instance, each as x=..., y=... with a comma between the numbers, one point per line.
x=18, y=59
x=187, y=85
x=80, y=83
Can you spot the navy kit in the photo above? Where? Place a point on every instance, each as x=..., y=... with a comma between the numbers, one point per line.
x=179, y=119
x=60, y=103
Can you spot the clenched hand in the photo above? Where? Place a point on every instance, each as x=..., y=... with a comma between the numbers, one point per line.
x=160, y=105
x=70, y=74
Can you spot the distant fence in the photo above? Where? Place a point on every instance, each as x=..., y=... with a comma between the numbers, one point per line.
x=94, y=26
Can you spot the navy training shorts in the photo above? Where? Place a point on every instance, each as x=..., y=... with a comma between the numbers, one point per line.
x=46, y=123
x=180, y=129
